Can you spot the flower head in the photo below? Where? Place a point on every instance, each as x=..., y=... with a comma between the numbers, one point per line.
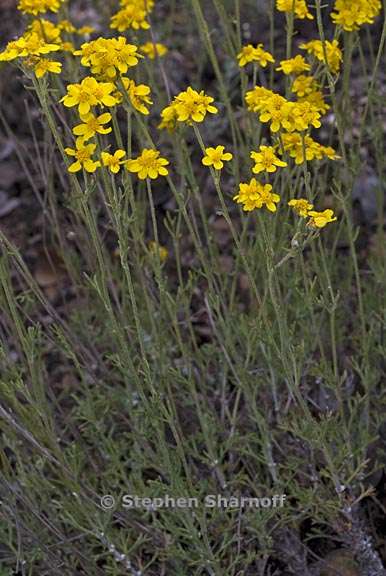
x=133, y=15
x=303, y=85
x=42, y=66
x=295, y=65
x=216, y=157
x=139, y=95
x=191, y=105
x=108, y=57
x=82, y=154
x=256, y=54
x=113, y=161
x=266, y=160
x=299, y=7
x=148, y=165
x=256, y=195
x=321, y=219
x=153, y=50
x=301, y=206
x=38, y=6
x=351, y=15
x=330, y=52
x=89, y=93
x=92, y=125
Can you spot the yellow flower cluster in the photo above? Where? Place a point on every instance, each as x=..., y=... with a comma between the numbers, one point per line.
x=256, y=54
x=299, y=7
x=281, y=113
x=350, y=15
x=305, y=148
x=254, y=195
x=132, y=14
x=153, y=50
x=188, y=106
x=317, y=219
x=38, y=6
x=330, y=52
x=108, y=57
x=39, y=39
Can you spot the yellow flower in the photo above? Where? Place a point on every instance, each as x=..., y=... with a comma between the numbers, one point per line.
x=82, y=154
x=299, y=6
x=85, y=30
x=303, y=85
x=258, y=97
x=89, y=93
x=92, y=125
x=331, y=52
x=130, y=17
x=266, y=160
x=351, y=15
x=139, y=95
x=301, y=206
x=108, y=57
x=46, y=30
x=257, y=54
x=321, y=219
x=216, y=157
x=67, y=26
x=256, y=195
x=43, y=66
x=31, y=44
x=191, y=105
x=295, y=65
x=148, y=165
x=162, y=251
x=317, y=101
x=38, y=6
x=153, y=50
x=168, y=118
x=113, y=161
x=272, y=110
x=295, y=147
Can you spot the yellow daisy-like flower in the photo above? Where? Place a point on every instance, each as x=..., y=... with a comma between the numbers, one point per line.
x=266, y=160
x=148, y=165
x=254, y=195
x=351, y=15
x=321, y=219
x=256, y=54
x=330, y=52
x=113, y=161
x=191, y=105
x=83, y=154
x=317, y=101
x=132, y=16
x=38, y=6
x=295, y=65
x=216, y=157
x=168, y=118
x=108, y=57
x=31, y=44
x=298, y=6
x=43, y=66
x=89, y=93
x=301, y=206
x=139, y=95
x=303, y=85
x=92, y=125
x=153, y=50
